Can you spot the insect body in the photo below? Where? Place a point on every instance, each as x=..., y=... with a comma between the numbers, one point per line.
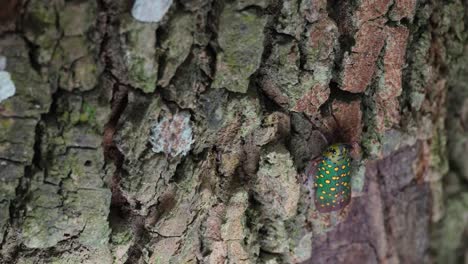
x=332, y=182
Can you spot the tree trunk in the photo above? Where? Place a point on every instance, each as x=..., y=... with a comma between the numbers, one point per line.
x=187, y=139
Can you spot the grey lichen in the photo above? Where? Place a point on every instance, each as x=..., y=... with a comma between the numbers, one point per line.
x=289, y=21
x=79, y=207
x=241, y=40
x=82, y=75
x=40, y=28
x=276, y=184
x=172, y=135
x=141, y=58
x=284, y=69
x=33, y=94
x=4, y=217
x=76, y=18
x=3, y=63
x=449, y=235
x=457, y=154
x=177, y=45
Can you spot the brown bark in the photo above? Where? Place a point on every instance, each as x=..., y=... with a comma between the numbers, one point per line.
x=186, y=140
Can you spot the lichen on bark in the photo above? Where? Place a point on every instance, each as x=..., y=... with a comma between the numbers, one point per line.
x=241, y=46
x=185, y=140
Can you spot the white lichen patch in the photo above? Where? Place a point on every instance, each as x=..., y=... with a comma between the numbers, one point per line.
x=172, y=135
x=150, y=10
x=7, y=87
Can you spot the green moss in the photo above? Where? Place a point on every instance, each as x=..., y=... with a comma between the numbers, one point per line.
x=88, y=113
x=139, y=75
x=74, y=118
x=121, y=236
x=64, y=117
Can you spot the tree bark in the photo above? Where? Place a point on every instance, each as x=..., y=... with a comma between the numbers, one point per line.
x=187, y=140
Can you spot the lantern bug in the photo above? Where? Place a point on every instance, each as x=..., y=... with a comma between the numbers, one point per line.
x=329, y=175
x=331, y=178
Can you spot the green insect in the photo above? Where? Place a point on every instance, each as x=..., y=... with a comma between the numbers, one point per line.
x=332, y=178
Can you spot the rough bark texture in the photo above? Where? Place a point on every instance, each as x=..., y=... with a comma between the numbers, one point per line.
x=185, y=141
